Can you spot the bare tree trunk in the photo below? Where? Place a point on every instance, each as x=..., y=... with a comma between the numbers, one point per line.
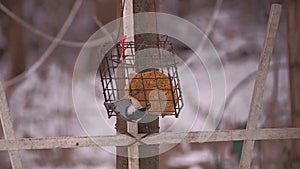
x=15, y=47
x=293, y=28
x=104, y=8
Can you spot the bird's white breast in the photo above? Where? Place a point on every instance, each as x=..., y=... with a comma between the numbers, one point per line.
x=130, y=110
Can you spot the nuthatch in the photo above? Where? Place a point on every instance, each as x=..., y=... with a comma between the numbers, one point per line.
x=128, y=108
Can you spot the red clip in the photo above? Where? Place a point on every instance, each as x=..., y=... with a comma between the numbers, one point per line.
x=122, y=46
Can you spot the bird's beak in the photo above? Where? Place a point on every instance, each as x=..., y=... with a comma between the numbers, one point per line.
x=142, y=109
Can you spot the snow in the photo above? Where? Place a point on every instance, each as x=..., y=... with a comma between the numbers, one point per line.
x=191, y=158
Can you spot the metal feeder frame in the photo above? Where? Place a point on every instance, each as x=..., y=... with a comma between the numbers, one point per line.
x=111, y=61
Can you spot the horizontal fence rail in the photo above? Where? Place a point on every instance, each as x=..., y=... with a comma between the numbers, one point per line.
x=162, y=138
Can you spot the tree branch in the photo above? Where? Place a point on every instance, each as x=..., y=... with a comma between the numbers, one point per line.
x=43, y=34
x=51, y=47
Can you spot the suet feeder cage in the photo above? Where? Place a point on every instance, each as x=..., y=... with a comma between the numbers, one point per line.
x=147, y=72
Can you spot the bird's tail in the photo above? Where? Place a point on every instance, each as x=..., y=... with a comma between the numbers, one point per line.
x=109, y=106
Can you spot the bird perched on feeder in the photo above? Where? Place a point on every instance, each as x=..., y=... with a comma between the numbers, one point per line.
x=128, y=108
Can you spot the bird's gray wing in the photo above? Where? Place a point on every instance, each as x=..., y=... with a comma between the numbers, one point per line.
x=138, y=115
x=122, y=105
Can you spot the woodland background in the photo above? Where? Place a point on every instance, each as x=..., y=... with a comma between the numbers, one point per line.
x=41, y=102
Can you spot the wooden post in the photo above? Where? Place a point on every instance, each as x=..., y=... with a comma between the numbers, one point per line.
x=131, y=7
x=256, y=102
x=132, y=128
x=121, y=124
x=7, y=126
x=121, y=161
x=293, y=33
x=146, y=6
x=133, y=150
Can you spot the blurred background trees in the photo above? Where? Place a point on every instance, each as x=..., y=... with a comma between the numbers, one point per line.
x=41, y=104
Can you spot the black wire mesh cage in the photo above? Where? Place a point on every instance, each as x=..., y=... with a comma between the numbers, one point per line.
x=147, y=72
